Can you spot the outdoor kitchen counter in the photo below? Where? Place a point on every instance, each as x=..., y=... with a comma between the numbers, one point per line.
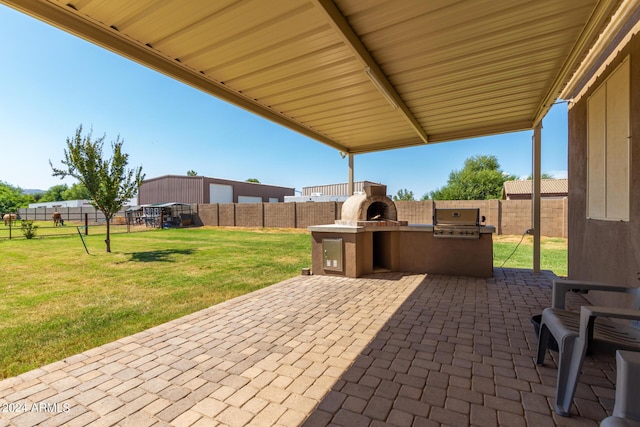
x=411, y=249
x=337, y=228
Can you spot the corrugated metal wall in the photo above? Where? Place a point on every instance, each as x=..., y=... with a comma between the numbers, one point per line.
x=179, y=189
x=251, y=189
x=334, y=189
x=195, y=190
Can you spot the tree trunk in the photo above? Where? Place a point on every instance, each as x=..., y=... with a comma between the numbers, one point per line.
x=108, y=239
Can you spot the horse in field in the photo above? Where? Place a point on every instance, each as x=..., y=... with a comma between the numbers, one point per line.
x=9, y=218
x=57, y=219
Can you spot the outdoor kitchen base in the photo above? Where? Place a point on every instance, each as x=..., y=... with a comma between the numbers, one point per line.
x=369, y=238
x=355, y=251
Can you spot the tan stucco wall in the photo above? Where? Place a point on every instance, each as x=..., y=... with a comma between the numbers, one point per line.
x=357, y=249
x=604, y=250
x=406, y=251
x=421, y=253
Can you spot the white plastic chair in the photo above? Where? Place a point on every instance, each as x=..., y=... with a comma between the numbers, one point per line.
x=626, y=411
x=577, y=333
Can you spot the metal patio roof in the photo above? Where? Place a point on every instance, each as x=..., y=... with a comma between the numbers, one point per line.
x=358, y=75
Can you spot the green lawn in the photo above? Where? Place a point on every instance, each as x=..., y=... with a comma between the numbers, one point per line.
x=57, y=301
x=553, y=253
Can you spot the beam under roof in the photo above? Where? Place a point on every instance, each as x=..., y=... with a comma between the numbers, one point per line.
x=352, y=40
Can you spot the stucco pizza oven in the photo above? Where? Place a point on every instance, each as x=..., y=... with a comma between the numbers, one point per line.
x=373, y=208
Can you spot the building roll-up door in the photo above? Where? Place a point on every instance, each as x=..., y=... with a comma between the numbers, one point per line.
x=220, y=193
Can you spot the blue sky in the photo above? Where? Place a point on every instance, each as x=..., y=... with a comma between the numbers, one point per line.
x=51, y=82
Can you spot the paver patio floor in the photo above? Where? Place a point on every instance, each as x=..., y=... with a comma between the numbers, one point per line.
x=388, y=349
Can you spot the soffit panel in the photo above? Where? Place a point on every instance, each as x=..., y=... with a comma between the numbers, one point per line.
x=462, y=68
x=462, y=50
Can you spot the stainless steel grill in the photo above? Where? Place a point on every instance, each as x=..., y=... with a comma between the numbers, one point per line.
x=456, y=223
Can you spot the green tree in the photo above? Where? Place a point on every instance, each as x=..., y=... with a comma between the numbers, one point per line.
x=12, y=198
x=480, y=179
x=55, y=193
x=76, y=192
x=253, y=180
x=109, y=181
x=191, y=172
x=403, y=195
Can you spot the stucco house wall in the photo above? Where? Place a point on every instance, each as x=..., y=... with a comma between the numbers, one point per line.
x=604, y=250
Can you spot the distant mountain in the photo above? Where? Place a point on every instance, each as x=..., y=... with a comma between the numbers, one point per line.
x=32, y=191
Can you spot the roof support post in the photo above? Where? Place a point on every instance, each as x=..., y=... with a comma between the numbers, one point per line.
x=351, y=184
x=535, y=195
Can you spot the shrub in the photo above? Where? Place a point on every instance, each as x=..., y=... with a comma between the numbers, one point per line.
x=28, y=229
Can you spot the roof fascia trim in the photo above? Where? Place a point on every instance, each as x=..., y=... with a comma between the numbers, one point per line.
x=624, y=25
x=591, y=31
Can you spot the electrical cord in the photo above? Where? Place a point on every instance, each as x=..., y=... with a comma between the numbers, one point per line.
x=516, y=248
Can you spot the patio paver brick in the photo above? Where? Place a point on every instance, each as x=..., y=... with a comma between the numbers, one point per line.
x=388, y=349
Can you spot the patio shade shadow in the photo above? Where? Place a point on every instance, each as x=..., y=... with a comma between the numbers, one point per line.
x=165, y=255
x=459, y=351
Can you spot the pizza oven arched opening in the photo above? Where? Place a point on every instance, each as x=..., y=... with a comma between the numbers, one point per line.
x=378, y=211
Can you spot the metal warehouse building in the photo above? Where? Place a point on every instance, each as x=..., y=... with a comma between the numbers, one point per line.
x=328, y=192
x=335, y=189
x=203, y=190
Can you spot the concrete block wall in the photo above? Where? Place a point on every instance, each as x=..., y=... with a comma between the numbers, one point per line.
x=516, y=216
x=227, y=214
x=280, y=215
x=415, y=212
x=206, y=214
x=553, y=217
x=249, y=215
x=508, y=216
x=315, y=213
